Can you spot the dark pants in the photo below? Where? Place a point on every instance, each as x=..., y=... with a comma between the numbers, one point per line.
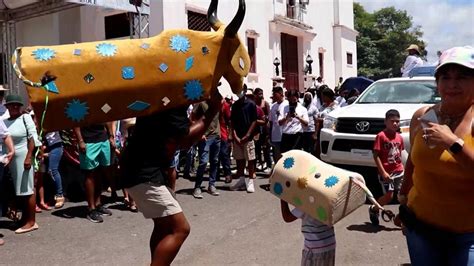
x=291, y=142
x=262, y=147
x=2, y=192
x=308, y=142
x=224, y=157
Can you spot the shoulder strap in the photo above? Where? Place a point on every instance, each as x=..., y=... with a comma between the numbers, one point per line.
x=24, y=123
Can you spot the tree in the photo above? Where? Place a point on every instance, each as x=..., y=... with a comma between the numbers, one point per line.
x=383, y=37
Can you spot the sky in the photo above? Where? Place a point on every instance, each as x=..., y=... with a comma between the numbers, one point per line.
x=445, y=23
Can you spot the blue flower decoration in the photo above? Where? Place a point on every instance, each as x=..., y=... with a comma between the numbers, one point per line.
x=180, y=43
x=76, y=110
x=106, y=49
x=331, y=181
x=43, y=54
x=193, y=90
x=289, y=162
x=189, y=63
x=138, y=106
x=128, y=72
x=278, y=188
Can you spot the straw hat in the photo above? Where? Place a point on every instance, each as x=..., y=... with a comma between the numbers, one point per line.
x=414, y=47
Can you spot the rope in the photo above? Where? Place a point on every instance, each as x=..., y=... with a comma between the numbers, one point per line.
x=390, y=215
x=40, y=135
x=18, y=71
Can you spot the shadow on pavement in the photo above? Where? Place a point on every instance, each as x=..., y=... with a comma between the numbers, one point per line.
x=369, y=228
x=120, y=207
x=7, y=224
x=71, y=212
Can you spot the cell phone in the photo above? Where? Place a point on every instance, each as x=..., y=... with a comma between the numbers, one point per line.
x=429, y=116
x=292, y=110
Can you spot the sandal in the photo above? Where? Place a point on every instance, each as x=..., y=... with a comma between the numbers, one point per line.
x=26, y=230
x=133, y=208
x=38, y=209
x=44, y=206
x=13, y=215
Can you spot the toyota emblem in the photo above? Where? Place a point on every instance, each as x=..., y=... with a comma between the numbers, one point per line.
x=363, y=126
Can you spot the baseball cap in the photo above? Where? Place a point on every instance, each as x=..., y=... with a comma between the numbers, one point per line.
x=463, y=56
x=12, y=98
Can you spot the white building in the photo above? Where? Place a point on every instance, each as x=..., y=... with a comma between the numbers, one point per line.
x=289, y=30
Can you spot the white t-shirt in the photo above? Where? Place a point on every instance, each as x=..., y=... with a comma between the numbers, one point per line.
x=3, y=134
x=275, y=111
x=341, y=101
x=317, y=236
x=312, y=114
x=293, y=125
x=411, y=62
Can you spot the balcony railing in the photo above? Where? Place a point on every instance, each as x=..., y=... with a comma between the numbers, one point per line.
x=296, y=11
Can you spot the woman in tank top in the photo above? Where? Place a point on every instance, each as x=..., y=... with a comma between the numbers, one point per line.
x=437, y=195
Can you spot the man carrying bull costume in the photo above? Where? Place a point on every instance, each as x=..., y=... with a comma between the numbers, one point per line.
x=156, y=95
x=150, y=149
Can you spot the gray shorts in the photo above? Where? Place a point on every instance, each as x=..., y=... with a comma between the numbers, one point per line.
x=394, y=184
x=154, y=201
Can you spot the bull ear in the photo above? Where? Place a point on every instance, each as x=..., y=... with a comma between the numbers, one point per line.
x=240, y=68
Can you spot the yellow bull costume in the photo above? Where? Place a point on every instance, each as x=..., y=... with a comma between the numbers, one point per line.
x=94, y=82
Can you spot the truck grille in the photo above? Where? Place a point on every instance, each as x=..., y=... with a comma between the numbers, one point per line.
x=349, y=144
x=360, y=125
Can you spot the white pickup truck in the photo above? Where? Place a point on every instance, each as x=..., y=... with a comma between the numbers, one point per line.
x=348, y=133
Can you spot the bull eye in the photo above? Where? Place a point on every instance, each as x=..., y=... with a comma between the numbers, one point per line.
x=317, y=175
x=205, y=50
x=288, y=184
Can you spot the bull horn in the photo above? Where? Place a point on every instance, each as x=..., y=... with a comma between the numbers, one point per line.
x=212, y=15
x=232, y=29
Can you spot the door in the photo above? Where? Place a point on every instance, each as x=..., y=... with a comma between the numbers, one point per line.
x=289, y=59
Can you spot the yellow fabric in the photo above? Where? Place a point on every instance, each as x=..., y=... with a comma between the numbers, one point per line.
x=443, y=192
x=322, y=191
x=226, y=57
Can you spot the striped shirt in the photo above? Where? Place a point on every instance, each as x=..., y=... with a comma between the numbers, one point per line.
x=318, y=237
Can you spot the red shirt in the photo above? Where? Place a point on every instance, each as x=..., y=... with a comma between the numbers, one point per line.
x=224, y=119
x=389, y=147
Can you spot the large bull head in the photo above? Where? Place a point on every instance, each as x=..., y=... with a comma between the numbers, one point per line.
x=94, y=82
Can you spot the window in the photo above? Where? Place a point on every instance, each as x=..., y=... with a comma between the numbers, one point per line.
x=321, y=64
x=117, y=26
x=349, y=58
x=252, y=55
x=198, y=21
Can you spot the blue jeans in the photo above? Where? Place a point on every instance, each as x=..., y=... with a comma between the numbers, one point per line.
x=224, y=157
x=189, y=165
x=436, y=249
x=208, y=151
x=55, y=155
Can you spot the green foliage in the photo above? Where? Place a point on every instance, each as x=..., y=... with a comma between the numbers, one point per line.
x=383, y=37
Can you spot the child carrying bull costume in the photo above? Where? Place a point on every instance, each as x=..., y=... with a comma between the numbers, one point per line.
x=94, y=82
x=154, y=79
x=322, y=195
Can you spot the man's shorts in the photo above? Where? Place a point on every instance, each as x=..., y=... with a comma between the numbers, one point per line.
x=394, y=184
x=154, y=201
x=97, y=154
x=244, y=152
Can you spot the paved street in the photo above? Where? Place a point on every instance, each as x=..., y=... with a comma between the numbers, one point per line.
x=235, y=228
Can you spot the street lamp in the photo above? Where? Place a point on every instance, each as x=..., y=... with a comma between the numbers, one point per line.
x=309, y=60
x=276, y=63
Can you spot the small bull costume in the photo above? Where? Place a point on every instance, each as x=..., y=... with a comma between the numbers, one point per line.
x=324, y=192
x=94, y=82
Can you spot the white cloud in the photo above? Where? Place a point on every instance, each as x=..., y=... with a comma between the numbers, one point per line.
x=445, y=23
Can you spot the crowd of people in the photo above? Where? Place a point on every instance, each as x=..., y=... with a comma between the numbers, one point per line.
x=255, y=133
